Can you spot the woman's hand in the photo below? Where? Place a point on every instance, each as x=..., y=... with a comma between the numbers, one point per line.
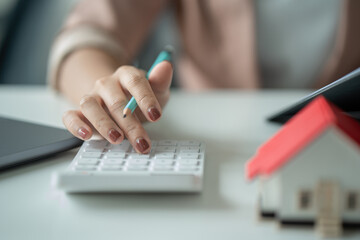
x=101, y=110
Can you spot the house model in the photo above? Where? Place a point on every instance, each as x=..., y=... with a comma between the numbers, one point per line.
x=310, y=170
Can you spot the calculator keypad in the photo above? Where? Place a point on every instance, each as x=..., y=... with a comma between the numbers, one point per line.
x=166, y=156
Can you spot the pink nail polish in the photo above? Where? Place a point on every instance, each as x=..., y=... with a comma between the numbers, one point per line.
x=114, y=135
x=154, y=113
x=142, y=145
x=83, y=132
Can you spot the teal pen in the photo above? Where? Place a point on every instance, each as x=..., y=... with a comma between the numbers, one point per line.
x=164, y=55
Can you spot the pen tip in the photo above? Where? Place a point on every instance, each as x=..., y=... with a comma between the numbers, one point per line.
x=124, y=116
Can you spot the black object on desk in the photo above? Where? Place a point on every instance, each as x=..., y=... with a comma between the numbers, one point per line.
x=344, y=93
x=22, y=142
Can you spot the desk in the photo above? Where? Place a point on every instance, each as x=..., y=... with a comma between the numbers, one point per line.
x=230, y=122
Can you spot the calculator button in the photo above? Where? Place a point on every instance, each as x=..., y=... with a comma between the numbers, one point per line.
x=90, y=155
x=139, y=156
x=113, y=162
x=164, y=162
x=187, y=162
x=115, y=155
x=85, y=168
x=111, y=168
x=87, y=161
x=122, y=147
x=188, y=156
x=164, y=155
x=137, y=168
x=167, y=143
x=189, y=143
x=189, y=149
x=163, y=169
x=164, y=166
x=165, y=149
x=138, y=162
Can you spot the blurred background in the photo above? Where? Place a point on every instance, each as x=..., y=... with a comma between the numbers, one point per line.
x=28, y=27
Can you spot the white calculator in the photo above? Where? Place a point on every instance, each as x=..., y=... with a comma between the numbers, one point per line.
x=171, y=166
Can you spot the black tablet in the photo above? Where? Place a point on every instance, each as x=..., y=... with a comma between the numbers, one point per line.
x=22, y=142
x=345, y=93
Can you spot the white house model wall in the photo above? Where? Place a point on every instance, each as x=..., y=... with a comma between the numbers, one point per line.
x=331, y=157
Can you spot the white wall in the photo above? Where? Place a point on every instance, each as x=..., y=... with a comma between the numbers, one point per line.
x=270, y=193
x=332, y=156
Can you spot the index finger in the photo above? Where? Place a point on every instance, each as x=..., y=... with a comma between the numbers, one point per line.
x=138, y=86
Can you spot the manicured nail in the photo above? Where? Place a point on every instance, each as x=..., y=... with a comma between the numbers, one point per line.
x=114, y=135
x=154, y=113
x=83, y=132
x=142, y=145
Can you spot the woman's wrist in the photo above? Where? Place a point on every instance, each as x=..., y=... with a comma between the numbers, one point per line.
x=79, y=71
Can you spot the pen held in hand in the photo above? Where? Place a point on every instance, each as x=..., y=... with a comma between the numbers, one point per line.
x=164, y=55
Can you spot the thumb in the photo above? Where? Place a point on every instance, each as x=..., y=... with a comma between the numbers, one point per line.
x=161, y=76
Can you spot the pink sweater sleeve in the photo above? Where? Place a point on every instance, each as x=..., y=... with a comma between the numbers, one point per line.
x=118, y=27
x=127, y=21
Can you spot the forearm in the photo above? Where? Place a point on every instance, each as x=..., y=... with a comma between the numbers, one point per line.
x=81, y=69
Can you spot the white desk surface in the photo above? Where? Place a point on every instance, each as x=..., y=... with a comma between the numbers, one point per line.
x=231, y=123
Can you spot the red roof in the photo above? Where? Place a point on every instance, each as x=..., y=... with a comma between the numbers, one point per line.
x=297, y=133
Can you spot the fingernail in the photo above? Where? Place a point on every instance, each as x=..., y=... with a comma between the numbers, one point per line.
x=142, y=145
x=154, y=113
x=83, y=132
x=114, y=135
